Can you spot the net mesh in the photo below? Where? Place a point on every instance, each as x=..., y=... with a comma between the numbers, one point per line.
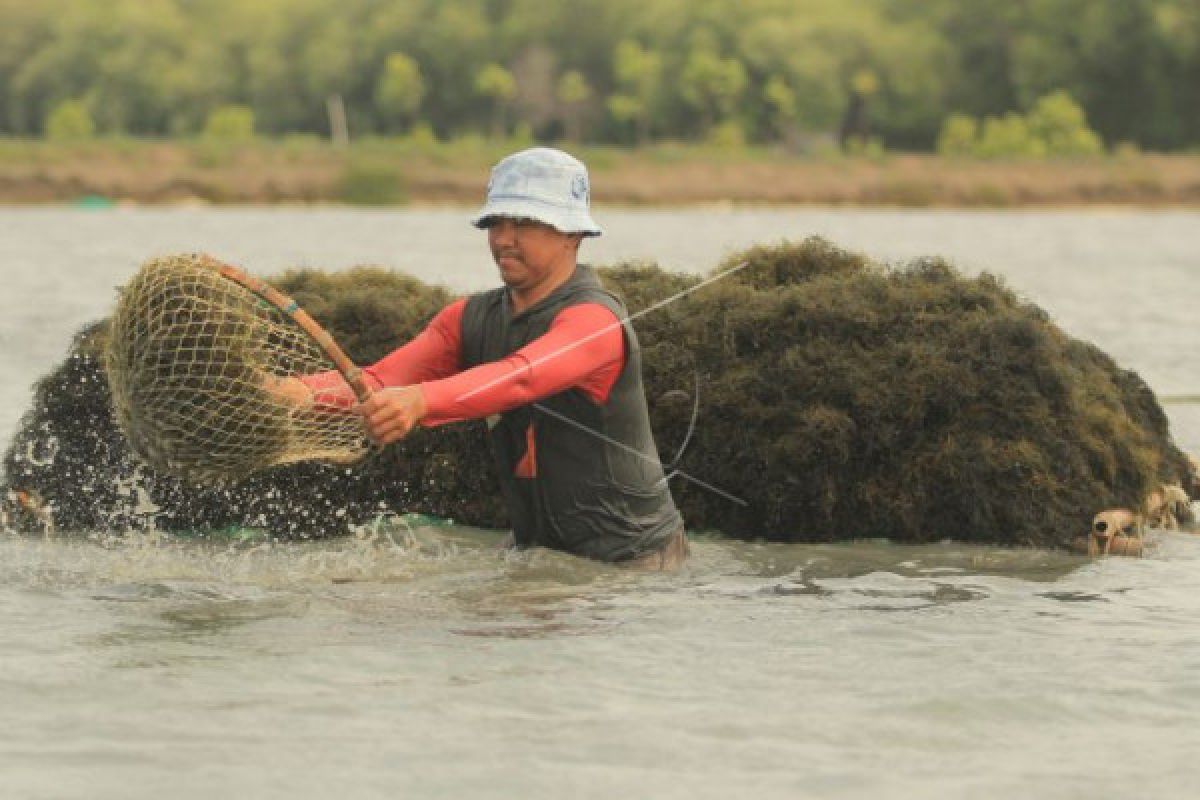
x=195, y=363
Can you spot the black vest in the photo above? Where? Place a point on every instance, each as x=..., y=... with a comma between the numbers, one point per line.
x=577, y=476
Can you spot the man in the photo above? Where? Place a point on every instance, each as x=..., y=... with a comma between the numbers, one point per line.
x=549, y=362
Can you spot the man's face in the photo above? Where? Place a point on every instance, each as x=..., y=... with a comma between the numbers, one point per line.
x=527, y=251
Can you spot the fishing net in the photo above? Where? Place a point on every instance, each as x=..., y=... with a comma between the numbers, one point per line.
x=196, y=364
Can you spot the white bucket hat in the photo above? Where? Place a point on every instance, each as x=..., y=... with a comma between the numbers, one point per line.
x=544, y=184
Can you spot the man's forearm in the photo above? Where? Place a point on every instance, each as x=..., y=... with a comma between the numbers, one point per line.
x=584, y=349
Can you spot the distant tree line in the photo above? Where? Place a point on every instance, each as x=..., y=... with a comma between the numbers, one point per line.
x=895, y=73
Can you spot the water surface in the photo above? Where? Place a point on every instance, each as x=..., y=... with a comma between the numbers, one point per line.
x=424, y=663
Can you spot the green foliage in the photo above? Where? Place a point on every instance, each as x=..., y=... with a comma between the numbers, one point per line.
x=1059, y=122
x=727, y=135
x=496, y=83
x=522, y=136
x=230, y=124
x=659, y=68
x=712, y=85
x=400, y=90
x=70, y=121
x=422, y=136
x=625, y=108
x=958, y=136
x=865, y=82
x=1008, y=136
x=573, y=92
x=573, y=88
x=638, y=74
x=781, y=101
x=1055, y=127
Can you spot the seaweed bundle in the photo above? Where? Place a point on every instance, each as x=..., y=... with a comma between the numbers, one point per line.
x=837, y=399
x=845, y=399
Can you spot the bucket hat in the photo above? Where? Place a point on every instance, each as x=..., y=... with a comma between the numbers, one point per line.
x=544, y=184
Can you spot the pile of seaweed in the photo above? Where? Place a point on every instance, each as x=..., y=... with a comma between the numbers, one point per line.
x=809, y=395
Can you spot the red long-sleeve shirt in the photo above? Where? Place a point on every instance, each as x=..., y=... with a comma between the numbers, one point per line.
x=583, y=349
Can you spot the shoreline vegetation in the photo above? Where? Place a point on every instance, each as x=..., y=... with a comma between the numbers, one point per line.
x=407, y=171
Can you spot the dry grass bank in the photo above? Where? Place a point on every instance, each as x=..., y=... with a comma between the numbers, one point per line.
x=388, y=172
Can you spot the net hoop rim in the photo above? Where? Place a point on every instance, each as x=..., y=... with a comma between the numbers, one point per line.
x=350, y=371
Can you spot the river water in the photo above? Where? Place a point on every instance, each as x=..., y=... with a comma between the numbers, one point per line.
x=424, y=663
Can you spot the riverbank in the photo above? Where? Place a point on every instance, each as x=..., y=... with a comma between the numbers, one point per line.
x=306, y=170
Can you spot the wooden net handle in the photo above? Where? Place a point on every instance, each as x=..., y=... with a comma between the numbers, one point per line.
x=349, y=370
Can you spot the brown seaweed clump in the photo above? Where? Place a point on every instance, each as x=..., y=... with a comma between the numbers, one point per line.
x=811, y=395
x=844, y=399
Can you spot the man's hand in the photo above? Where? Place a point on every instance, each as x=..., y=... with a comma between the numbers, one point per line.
x=391, y=413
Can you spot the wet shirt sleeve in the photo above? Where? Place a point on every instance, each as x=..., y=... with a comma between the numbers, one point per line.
x=434, y=353
x=584, y=348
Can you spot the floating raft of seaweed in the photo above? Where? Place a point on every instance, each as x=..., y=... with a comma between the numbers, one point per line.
x=813, y=395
